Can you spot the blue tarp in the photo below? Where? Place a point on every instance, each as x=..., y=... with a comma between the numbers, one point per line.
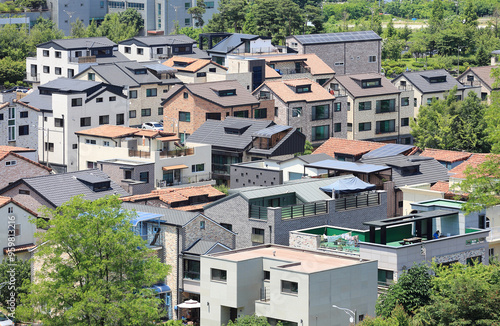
x=347, y=186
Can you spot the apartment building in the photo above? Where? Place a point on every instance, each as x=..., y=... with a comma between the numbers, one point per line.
x=64, y=12
x=67, y=106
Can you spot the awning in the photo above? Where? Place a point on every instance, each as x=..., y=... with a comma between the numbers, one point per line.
x=169, y=138
x=189, y=304
x=142, y=216
x=174, y=167
x=347, y=186
x=160, y=288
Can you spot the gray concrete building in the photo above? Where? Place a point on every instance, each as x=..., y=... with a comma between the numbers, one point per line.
x=346, y=53
x=267, y=214
x=128, y=174
x=66, y=12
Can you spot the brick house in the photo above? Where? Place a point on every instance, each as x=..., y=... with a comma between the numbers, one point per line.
x=346, y=53
x=14, y=166
x=188, y=106
x=377, y=110
x=304, y=104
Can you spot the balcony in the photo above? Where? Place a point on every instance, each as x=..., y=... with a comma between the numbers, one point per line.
x=141, y=154
x=338, y=92
x=405, y=87
x=301, y=70
x=86, y=59
x=154, y=240
x=359, y=201
x=192, y=275
x=184, y=180
x=177, y=152
x=291, y=212
x=32, y=77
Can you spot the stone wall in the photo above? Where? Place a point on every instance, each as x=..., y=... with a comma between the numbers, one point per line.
x=304, y=240
x=211, y=232
x=21, y=169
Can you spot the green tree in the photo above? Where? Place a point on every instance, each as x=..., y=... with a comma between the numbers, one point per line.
x=308, y=149
x=398, y=317
x=131, y=17
x=437, y=16
x=482, y=57
x=469, y=14
x=233, y=12
x=43, y=31
x=314, y=15
x=13, y=42
x=11, y=72
x=390, y=31
x=492, y=115
x=392, y=48
x=251, y=320
x=411, y=291
x=94, y=269
x=114, y=29
x=197, y=12
x=20, y=271
x=33, y=4
x=78, y=30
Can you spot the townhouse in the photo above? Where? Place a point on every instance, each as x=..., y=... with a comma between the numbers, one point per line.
x=194, y=70
x=173, y=164
x=19, y=125
x=67, y=106
x=148, y=48
x=304, y=104
x=346, y=52
x=377, y=110
x=431, y=84
x=15, y=164
x=288, y=285
x=236, y=140
x=187, y=107
x=143, y=84
x=479, y=76
x=68, y=57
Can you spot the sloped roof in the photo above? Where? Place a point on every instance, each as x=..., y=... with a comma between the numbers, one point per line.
x=338, y=37
x=213, y=132
x=283, y=89
x=483, y=73
x=193, y=64
x=473, y=161
x=160, y=40
x=347, y=147
x=208, y=91
x=317, y=66
x=6, y=200
x=36, y=101
x=203, y=247
x=445, y=155
x=59, y=188
x=122, y=74
x=313, y=158
x=172, y=195
x=229, y=43
x=431, y=171
x=5, y=148
x=441, y=186
x=109, y=131
x=388, y=150
x=352, y=84
x=78, y=43
x=169, y=215
x=419, y=80
x=4, y=154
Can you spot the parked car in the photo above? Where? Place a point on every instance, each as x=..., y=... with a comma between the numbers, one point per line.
x=152, y=126
x=5, y=321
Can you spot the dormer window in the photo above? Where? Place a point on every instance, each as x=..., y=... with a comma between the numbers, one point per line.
x=180, y=64
x=95, y=183
x=436, y=79
x=227, y=92
x=140, y=71
x=303, y=89
x=410, y=170
x=371, y=83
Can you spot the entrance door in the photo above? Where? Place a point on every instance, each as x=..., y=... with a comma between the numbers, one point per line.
x=233, y=314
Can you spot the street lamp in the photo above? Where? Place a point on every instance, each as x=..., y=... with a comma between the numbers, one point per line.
x=458, y=55
x=349, y=312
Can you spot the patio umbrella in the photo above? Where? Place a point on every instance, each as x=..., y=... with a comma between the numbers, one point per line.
x=189, y=304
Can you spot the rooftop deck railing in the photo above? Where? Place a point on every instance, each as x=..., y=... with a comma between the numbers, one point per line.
x=360, y=201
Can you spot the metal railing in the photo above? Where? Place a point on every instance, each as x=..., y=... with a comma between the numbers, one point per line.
x=351, y=202
x=184, y=180
x=405, y=88
x=310, y=209
x=338, y=92
x=379, y=109
x=265, y=294
x=141, y=154
x=153, y=239
x=302, y=70
x=32, y=76
x=258, y=212
x=85, y=59
x=178, y=152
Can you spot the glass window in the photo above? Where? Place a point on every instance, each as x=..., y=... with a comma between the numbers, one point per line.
x=99, y=100
x=349, y=126
x=209, y=4
x=45, y=53
x=132, y=94
x=320, y=133
x=90, y=141
x=296, y=112
x=150, y=92
x=191, y=269
x=384, y=106
x=58, y=122
x=257, y=235
x=76, y=102
x=370, y=83
x=303, y=89
x=160, y=110
x=127, y=49
x=186, y=94
x=112, y=98
x=372, y=58
x=321, y=112
x=365, y=126
x=364, y=106
x=140, y=51
x=132, y=114
x=91, y=76
x=85, y=122
x=289, y=287
x=405, y=101
x=337, y=107
x=144, y=176
x=46, y=69
x=198, y=167
x=185, y=116
x=58, y=70
x=187, y=21
x=145, y=112
x=23, y=114
x=405, y=122
x=49, y=147
x=241, y=114
x=104, y=119
x=385, y=126
x=120, y=119
x=218, y=275
x=337, y=127
x=260, y=113
x=201, y=74
x=24, y=130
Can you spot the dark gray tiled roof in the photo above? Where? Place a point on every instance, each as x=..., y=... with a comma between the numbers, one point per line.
x=388, y=150
x=160, y=40
x=79, y=43
x=122, y=74
x=116, y=57
x=42, y=102
x=197, y=53
x=431, y=171
x=59, y=188
x=229, y=43
x=170, y=216
x=212, y=132
x=352, y=84
x=70, y=85
x=418, y=80
x=313, y=158
x=202, y=247
x=338, y=37
x=270, y=131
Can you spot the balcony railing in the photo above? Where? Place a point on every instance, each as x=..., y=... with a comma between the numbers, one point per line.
x=258, y=212
x=153, y=239
x=310, y=209
x=405, y=88
x=141, y=154
x=338, y=92
x=386, y=109
x=86, y=59
x=178, y=152
x=265, y=294
x=301, y=70
x=184, y=180
x=32, y=77
x=360, y=201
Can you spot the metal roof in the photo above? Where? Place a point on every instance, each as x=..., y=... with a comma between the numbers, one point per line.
x=411, y=218
x=430, y=170
x=70, y=85
x=338, y=37
x=270, y=131
x=347, y=166
x=168, y=215
x=203, y=247
x=388, y=150
x=92, y=178
x=231, y=42
x=159, y=68
x=143, y=216
x=160, y=40
x=308, y=190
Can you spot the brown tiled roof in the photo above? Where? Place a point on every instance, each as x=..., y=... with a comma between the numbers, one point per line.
x=351, y=85
x=26, y=105
x=5, y=200
x=271, y=73
x=192, y=208
x=347, y=147
x=193, y=64
x=473, y=161
x=173, y=195
x=4, y=154
x=111, y=131
x=3, y=105
x=484, y=74
x=5, y=148
x=441, y=186
x=445, y=155
x=317, y=66
x=283, y=90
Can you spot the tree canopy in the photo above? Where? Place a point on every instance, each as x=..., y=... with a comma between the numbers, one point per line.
x=94, y=269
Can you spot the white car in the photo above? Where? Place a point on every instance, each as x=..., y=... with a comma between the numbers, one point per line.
x=152, y=126
x=4, y=321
